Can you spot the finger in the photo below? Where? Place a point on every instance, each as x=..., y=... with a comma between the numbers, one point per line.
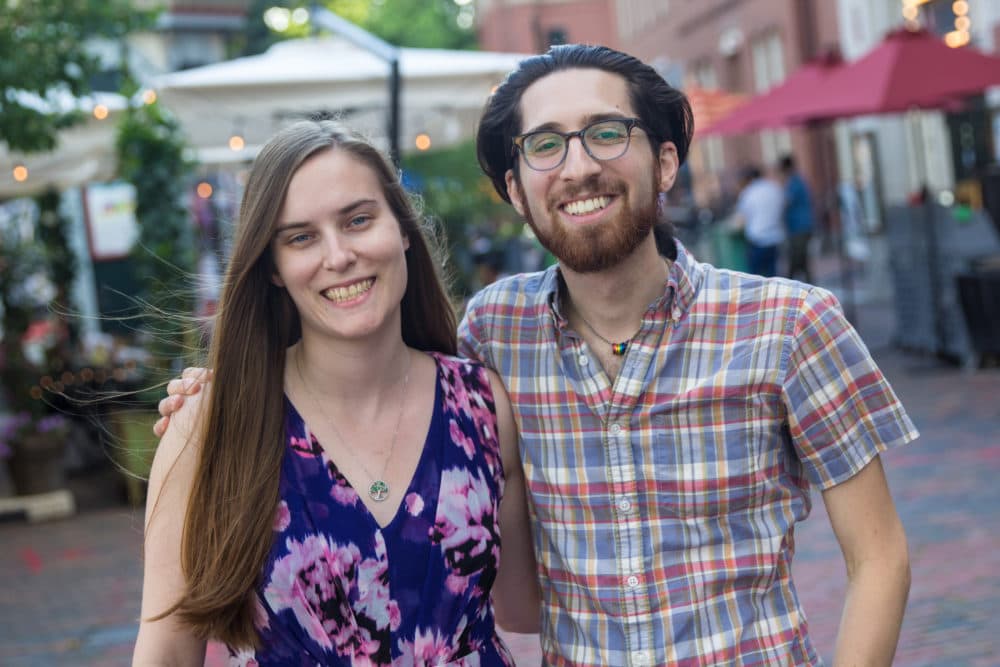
x=160, y=427
x=197, y=374
x=183, y=387
x=170, y=405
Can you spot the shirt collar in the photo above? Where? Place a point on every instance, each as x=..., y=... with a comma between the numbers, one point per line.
x=678, y=293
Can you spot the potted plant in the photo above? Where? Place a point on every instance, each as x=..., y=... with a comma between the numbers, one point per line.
x=37, y=448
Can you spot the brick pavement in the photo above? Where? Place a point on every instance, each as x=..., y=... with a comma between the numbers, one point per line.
x=70, y=588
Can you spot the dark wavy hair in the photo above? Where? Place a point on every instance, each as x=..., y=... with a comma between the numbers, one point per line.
x=663, y=110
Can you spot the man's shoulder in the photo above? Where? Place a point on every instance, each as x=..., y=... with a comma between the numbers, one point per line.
x=520, y=288
x=727, y=285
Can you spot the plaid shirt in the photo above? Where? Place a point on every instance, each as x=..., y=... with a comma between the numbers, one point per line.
x=664, y=504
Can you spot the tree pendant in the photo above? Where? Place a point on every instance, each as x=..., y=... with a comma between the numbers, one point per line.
x=378, y=491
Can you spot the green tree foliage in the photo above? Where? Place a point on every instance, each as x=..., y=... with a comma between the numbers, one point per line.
x=151, y=157
x=417, y=23
x=460, y=197
x=43, y=54
x=412, y=23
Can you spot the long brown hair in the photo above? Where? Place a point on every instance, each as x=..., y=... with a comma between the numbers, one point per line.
x=230, y=514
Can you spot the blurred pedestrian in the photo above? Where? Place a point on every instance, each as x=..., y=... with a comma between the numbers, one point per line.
x=337, y=493
x=759, y=212
x=853, y=225
x=800, y=219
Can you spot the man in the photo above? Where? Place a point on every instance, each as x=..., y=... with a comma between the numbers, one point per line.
x=799, y=219
x=672, y=415
x=759, y=211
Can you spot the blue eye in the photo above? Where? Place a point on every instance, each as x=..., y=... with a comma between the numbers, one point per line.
x=359, y=220
x=300, y=238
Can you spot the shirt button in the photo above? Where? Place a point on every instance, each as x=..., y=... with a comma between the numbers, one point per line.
x=632, y=581
x=624, y=505
x=583, y=359
x=616, y=428
x=640, y=658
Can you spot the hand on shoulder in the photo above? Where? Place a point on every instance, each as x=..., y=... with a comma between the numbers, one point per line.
x=188, y=384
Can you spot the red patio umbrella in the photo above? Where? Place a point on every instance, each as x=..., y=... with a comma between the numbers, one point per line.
x=773, y=108
x=908, y=69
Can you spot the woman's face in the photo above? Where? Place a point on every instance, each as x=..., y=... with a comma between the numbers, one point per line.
x=339, y=250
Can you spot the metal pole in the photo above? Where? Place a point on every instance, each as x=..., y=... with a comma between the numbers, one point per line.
x=930, y=234
x=324, y=18
x=394, y=110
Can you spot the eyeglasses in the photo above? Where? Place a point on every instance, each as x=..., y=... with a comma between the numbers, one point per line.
x=603, y=140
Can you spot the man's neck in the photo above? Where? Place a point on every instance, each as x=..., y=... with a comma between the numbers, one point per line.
x=614, y=300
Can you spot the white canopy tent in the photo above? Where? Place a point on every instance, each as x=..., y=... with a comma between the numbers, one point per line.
x=85, y=152
x=442, y=94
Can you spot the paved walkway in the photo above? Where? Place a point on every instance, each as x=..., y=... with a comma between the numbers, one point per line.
x=71, y=588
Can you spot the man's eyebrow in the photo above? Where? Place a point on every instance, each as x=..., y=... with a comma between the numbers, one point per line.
x=587, y=120
x=342, y=211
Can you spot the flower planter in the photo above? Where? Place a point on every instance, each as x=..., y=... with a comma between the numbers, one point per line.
x=37, y=463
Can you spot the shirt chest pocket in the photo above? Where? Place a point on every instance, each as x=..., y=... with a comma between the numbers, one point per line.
x=708, y=456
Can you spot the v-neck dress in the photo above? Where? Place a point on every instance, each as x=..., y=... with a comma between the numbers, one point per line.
x=339, y=589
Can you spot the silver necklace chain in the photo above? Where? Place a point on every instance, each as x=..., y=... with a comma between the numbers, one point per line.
x=378, y=489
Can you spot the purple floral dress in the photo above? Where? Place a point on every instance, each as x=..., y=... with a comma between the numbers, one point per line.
x=338, y=589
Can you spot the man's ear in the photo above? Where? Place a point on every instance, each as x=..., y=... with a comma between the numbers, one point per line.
x=669, y=164
x=514, y=192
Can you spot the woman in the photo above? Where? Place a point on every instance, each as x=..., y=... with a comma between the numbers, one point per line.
x=334, y=498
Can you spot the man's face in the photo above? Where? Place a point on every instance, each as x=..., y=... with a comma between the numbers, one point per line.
x=590, y=214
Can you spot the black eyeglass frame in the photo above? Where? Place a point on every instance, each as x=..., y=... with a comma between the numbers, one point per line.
x=630, y=124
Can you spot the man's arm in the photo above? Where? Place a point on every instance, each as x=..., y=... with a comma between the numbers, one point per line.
x=873, y=544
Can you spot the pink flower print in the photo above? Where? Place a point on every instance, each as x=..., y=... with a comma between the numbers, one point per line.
x=244, y=658
x=373, y=589
x=282, y=517
x=414, y=503
x=341, y=490
x=261, y=620
x=431, y=648
x=313, y=582
x=306, y=448
x=465, y=526
x=459, y=438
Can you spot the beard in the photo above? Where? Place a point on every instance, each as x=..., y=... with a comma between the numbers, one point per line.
x=599, y=247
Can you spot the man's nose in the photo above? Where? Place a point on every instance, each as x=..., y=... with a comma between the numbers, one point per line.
x=578, y=163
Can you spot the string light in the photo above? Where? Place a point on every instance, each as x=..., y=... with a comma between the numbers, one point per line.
x=20, y=173
x=423, y=141
x=100, y=112
x=204, y=189
x=236, y=143
x=956, y=38
x=149, y=96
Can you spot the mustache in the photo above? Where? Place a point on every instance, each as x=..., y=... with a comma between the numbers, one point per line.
x=593, y=185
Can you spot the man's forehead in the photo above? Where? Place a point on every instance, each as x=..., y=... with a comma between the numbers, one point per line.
x=569, y=97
